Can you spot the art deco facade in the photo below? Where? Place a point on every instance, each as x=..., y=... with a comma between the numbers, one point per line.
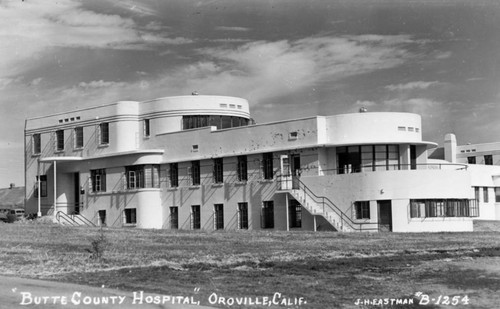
x=199, y=162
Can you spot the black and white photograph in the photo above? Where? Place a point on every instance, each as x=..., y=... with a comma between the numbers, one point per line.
x=249, y=154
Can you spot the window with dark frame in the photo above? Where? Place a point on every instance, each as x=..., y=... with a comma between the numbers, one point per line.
x=98, y=180
x=471, y=160
x=104, y=133
x=218, y=173
x=37, y=144
x=143, y=176
x=243, y=216
x=174, y=217
x=195, y=217
x=59, y=140
x=476, y=194
x=267, y=215
x=219, y=216
x=267, y=165
x=130, y=216
x=147, y=129
x=43, y=186
x=174, y=175
x=428, y=208
x=221, y=122
x=242, y=168
x=78, y=137
x=195, y=173
x=362, y=209
x=497, y=194
x=488, y=159
x=486, y=198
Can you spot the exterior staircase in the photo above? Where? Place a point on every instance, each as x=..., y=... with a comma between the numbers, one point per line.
x=334, y=216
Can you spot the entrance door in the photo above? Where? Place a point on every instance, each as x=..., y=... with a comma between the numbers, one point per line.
x=76, y=177
x=286, y=176
x=384, y=216
x=295, y=159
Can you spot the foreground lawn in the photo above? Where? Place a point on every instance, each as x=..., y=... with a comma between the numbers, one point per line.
x=327, y=270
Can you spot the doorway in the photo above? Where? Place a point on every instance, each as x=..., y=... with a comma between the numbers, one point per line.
x=76, y=181
x=384, y=216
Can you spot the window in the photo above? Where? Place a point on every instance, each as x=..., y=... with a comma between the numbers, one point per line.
x=476, y=194
x=488, y=159
x=242, y=168
x=219, y=216
x=37, y=144
x=78, y=137
x=104, y=133
x=362, y=209
x=174, y=175
x=174, y=217
x=267, y=165
x=429, y=208
x=497, y=194
x=471, y=160
x=486, y=198
x=267, y=215
x=243, y=216
x=130, y=216
x=59, y=140
x=143, y=176
x=295, y=211
x=98, y=180
x=221, y=122
x=195, y=217
x=293, y=135
x=147, y=130
x=218, y=171
x=195, y=173
x=43, y=186
x=101, y=214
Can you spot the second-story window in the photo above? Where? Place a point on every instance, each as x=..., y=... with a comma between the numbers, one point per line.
x=59, y=140
x=218, y=171
x=143, y=176
x=79, y=137
x=104, y=133
x=147, y=128
x=195, y=173
x=37, y=144
x=242, y=168
x=174, y=175
x=267, y=165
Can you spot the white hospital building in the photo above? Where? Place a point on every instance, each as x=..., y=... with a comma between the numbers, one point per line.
x=200, y=162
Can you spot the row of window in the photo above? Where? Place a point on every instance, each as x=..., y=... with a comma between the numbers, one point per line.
x=59, y=140
x=488, y=160
x=221, y=122
x=428, y=208
x=362, y=158
x=486, y=198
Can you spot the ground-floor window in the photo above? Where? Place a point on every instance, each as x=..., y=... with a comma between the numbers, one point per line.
x=428, y=208
x=143, y=176
x=102, y=217
x=243, y=216
x=43, y=186
x=362, y=209
x=219, y=216
x=195, y=217
x=267, y=215
x=174, y=217
x=130, y=216
x=295, y=211
x=486, y=198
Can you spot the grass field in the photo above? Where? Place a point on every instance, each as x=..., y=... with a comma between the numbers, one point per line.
x=327, y=270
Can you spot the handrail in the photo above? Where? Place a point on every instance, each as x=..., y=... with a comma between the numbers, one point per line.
x=392, y=167
x=344, y=218
x=84, y=219
x=67, y=218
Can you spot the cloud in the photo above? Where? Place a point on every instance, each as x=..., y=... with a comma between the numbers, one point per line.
x=238, y=29
x=443, y=55
x=411, y=86
x=30, y=30
x=100, y=84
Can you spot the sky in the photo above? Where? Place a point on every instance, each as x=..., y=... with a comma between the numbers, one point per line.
x=288, y=58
